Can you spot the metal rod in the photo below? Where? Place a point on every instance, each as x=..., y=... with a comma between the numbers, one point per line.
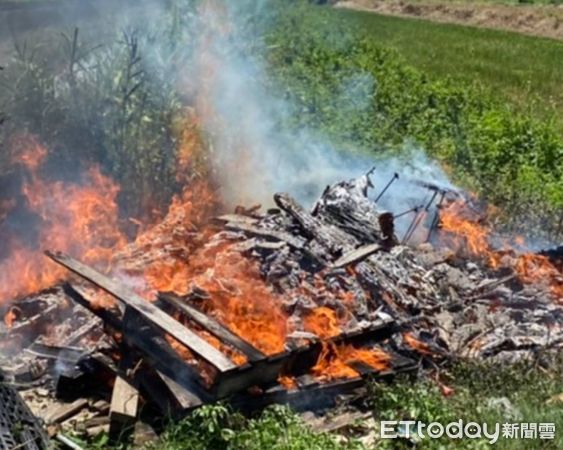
x=404, y=213
x=436, y=218
x=395, y=177
x=418, y=219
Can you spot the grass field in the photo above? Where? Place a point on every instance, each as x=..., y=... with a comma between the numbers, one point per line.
x=526, y=70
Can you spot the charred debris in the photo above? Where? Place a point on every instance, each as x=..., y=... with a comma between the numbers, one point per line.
x=401, y=304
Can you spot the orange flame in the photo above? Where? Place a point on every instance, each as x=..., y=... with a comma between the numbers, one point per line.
x=465, y=233
x=334, y=359
x=79, y=219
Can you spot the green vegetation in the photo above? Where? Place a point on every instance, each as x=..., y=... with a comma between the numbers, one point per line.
x=526, y=70
x=346, y=84
x=482, y=393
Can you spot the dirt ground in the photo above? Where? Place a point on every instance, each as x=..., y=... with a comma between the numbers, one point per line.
x=536, y=20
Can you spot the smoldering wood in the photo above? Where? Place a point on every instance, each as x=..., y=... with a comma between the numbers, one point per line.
x=356, y=256
x=57, y=353
x=162, y=320
x=296, y=243
x=347, y=206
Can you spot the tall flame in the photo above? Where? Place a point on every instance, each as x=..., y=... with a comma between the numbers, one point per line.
x=81, y=219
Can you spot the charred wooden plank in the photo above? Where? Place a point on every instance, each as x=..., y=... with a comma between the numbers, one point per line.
x=146, y=340
x=318, y=395
x=276, y=235
x=58, y=353
x=150, y=312
x=356, y=255
x=172, y=399
x=296, y=362
x=77, y=294
x=217, y=329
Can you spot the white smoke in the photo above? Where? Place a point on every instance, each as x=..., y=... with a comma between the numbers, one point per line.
x=253, y=157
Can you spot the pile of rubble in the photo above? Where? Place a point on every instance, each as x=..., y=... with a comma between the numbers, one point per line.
x=355, y=303
x=457, y=305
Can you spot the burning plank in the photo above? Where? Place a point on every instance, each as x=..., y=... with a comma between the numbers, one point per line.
x=148, y=311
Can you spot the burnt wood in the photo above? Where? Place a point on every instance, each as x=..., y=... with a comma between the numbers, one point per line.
x=276, y=235
x=140, y=335
x=148, y=311
x=356, y=256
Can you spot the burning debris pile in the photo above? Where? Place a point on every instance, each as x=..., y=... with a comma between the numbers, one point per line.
x=285, y=305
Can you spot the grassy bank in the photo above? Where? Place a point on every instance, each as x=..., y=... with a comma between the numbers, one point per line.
x=527, y=71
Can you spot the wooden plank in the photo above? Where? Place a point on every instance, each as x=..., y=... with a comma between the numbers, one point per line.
x=276, y=235
x=150, y=312
x=356, y=255
x=154, y=347
x=171, y=398
x=217, y=329
x=236, y=218
x=59, y=413
x=124, y=407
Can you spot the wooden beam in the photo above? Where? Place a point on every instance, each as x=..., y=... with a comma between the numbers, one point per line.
x=60, y=412
x=172, y=399
x=214, y=327
x=148, y=341
x=282, y=236
x=356, y=256
x=147, y=310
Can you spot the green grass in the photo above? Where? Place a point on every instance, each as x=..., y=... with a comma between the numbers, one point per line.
x=526, y=70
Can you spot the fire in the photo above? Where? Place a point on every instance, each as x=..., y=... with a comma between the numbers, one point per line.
x=323, y=322
x=81, y=219
x=176, y=256
x=538, y=269
x=416, y=344
x=464, y=232
x=10, y=317
x=333, y=361
x=467, y=232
